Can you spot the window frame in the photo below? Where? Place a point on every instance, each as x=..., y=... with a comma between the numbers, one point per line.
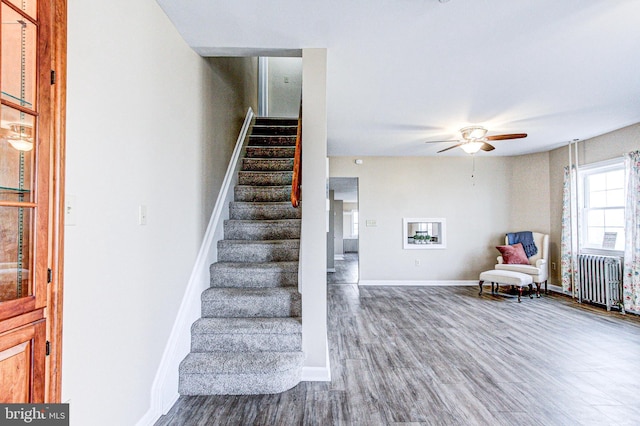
x=584, y=172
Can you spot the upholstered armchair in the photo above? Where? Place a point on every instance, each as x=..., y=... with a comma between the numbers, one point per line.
x=538, y=266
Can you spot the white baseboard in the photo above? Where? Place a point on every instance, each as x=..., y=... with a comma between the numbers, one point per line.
x=421, y=283
x=555, y=289
x=316, y=374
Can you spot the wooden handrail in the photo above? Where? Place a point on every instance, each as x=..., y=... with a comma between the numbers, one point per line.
x=296, y=182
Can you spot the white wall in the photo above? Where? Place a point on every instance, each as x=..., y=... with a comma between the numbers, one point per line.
x=285, y=85
x=313, y=247
x=138, y=132
x=604, y=147
x=479, y=210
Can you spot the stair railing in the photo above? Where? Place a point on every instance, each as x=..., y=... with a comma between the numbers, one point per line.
x=296, y=182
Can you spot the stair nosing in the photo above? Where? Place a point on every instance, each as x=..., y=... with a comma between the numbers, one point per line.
x=249, y=325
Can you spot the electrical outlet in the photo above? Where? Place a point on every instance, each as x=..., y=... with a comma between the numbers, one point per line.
x=70, y=210
x=553, y=265
x=417, y=262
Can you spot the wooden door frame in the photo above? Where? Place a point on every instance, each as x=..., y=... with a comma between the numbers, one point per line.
x=57, y=200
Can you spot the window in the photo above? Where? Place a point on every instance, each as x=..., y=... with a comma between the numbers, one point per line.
x=603, y=203
x=354, y=223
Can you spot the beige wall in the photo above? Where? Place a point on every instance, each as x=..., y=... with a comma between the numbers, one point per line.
x=479, y=210
x=604, y=147
x=148, y=122
x=284, y=97
x=233, y=88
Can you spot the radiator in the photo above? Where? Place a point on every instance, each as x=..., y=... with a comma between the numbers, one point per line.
x=600, y=280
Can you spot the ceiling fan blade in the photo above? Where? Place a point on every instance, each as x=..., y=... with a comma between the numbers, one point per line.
x=506, y=136
x=450, y=140
x=447, y=149
x=487, y=147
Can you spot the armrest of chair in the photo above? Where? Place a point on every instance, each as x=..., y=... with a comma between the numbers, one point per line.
x=540, y=262
x=500, y=260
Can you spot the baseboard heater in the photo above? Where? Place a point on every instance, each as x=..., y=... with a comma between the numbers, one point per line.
x=600, y=280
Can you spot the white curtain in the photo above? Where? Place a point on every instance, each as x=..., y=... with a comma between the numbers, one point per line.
x=631, y=275
x=569, y=237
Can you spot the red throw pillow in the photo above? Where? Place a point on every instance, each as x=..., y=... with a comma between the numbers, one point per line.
x=513, y=255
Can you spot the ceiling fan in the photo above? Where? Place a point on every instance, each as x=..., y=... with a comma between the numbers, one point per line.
x=474, y=139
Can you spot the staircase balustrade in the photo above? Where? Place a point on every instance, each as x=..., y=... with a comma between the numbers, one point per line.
x=296, y=183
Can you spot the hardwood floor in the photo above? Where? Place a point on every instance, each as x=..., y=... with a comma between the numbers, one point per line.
x=444, y=356
x=346, y=270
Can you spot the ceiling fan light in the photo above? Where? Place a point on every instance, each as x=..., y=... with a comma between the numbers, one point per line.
x=473, y=132
x=21, y=144
x=471, y=147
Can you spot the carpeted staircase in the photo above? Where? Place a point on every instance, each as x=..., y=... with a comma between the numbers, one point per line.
x=249, y=339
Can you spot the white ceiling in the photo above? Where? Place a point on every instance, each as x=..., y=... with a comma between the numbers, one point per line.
x=401, y=72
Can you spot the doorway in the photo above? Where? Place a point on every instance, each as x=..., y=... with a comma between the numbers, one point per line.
x=343, y=242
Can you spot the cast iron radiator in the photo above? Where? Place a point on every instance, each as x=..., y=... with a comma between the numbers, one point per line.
x=600, y=280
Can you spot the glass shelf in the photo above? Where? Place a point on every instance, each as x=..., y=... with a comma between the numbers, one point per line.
x=4, y=189
x=16, y=99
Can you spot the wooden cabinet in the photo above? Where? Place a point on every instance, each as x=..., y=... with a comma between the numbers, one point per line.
x=22, y=363
x=31, y=112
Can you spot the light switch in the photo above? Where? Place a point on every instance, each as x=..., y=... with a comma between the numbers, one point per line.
x=371, y=222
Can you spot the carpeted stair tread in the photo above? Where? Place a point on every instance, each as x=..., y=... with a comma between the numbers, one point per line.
x=263, y=210
x=262, y=129
x=246, y=335
x=248, y=325
x=240, y=362
x=276, y=121
x=272, y=140
x=262, y=193
x=259, y=178
x=239, y=373
x=220, y=302
x=267, y=164
x=258, y=250
x=270, y=152
x=278, y=229
x=254, y=274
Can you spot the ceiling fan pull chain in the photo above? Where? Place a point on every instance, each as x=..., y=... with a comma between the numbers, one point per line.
x=473, y=169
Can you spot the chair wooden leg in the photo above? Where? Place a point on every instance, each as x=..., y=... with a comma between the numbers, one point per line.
x=480, y=284
x=531, y=291
x=538, y=290
x=519, y=293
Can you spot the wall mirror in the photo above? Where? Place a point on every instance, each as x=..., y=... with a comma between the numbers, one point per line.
x=424, y=233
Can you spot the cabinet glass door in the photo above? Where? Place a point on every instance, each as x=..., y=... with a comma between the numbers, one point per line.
x=23, y=160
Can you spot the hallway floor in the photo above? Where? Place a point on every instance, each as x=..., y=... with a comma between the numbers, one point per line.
x=445, y=356
x=346, y=270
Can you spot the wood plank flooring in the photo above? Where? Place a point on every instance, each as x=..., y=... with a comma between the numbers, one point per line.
x=346, y=270
x=445, y=356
